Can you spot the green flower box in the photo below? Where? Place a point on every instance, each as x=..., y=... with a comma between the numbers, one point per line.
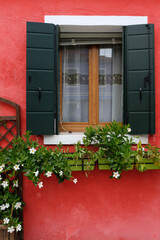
x=149, y=165
x=103, y=164
x=81, y=165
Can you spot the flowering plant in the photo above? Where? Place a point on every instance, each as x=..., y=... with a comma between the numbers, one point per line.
x=147, y=155
x=115, y=146
x=29, y=157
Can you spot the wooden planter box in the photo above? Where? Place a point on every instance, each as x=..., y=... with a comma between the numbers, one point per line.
x=81, y=164
x=4, y=235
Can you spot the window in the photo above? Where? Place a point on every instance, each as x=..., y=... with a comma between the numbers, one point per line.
x=43, y=82
x=91, y=85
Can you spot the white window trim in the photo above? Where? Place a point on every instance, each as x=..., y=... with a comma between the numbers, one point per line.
x=72, y=138
x=96, y=24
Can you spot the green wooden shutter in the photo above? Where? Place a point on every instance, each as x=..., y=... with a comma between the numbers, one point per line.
x=139, y=88
x=42, y=78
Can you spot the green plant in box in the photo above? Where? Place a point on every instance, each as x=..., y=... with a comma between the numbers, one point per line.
x=147, y=157
x=82, y=159
x=114, y=146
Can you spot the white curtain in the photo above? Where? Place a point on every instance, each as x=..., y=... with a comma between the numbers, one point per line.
x=110, y=84
x=75, y=76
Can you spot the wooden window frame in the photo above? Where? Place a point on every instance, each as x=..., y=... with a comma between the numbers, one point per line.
x=93, y=95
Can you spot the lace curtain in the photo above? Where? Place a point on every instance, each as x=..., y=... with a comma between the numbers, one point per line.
x=75, y=75
x=110, y=84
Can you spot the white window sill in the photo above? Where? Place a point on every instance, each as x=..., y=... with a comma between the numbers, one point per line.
x=73, y=138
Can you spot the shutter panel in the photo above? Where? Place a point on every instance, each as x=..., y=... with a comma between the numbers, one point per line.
x=42, y=78
x=138, y=67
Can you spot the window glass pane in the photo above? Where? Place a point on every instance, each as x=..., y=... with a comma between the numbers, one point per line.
x=110, y=83
x=75, y=77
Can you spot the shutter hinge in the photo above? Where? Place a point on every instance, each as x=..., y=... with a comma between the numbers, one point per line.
x=148, y=26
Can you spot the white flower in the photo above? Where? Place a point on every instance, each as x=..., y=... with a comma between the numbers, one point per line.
x=11, y=229
x=142, y=148
x=32, y=150
x=129, y=129
x=15, y=183
x=116, y=174
x=3, y=207
x=61, y=173
x=17, y=205
x=6, y=220
x=3, y=165
x=1, y=168
x=49, y=174
x=4, y=184
x=16, y=167
x=75, y=180
x=7, y=205
x=36, y=173
x=19, y=227
x=0, y=177
x=40, y=185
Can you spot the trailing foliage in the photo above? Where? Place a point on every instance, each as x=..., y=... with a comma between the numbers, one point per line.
x=146, y=155
x=115, y=146
x=27, y=156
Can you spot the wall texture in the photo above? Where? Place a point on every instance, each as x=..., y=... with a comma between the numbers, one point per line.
x=96, y=207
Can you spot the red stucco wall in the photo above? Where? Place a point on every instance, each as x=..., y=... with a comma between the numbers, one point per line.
x=96, y=207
